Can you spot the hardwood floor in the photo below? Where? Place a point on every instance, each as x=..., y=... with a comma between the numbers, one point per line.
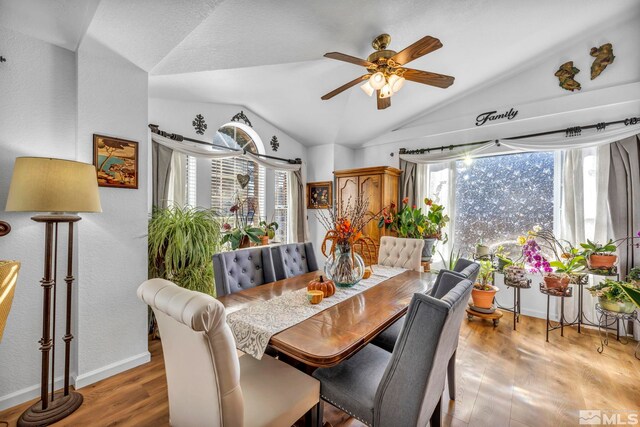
x=504, y=378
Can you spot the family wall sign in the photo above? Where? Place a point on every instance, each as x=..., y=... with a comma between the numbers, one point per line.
x=491, y=116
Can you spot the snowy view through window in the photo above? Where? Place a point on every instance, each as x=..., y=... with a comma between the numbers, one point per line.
x=499, y=198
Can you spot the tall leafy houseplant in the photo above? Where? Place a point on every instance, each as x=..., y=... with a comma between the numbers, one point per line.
x=182, y=242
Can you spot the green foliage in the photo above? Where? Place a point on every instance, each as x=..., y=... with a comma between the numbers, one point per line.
x=269, y=229
x=485, y=276
x=634, y=275
x=612, y=290
x=591, y=248
x=436, y=220
x=450, y=262
x=573, y=264
x=181, y=244
x=236, y=235
x=633, y=293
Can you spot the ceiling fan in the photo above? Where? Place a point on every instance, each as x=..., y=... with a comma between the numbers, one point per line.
x=386, y=73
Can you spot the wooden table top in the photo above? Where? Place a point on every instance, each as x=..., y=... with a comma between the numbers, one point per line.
x=338, y=332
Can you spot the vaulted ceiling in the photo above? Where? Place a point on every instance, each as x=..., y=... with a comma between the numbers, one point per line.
x=267, y=55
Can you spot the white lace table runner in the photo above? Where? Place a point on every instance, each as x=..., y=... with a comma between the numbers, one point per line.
x=254, y=326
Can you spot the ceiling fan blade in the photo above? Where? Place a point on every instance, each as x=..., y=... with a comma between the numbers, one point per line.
x=420, y=48
x=348, y=58
x=383, y=102
x=345, y=87
x=427, y=78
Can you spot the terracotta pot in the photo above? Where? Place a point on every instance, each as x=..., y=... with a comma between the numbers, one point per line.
x=244, y=242
x=555, y=281
x=602, y=261
x=483, y=299
x=264, y=240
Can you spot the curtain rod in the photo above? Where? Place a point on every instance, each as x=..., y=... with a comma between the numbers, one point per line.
x=569, y=132
x=177, y=137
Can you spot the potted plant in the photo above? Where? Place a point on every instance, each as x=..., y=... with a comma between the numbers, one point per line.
x=572, y=264
x=450, y=262
x=503, y=258
x=244, y=231
x=181, y=243
x=482, y=250
x=483, y=290
x=269, y=230
x=600, y=256
x=634, y=276
x=613, y=295
x=435, y=221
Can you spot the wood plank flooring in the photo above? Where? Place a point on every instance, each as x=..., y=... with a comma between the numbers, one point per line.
x=505, y=378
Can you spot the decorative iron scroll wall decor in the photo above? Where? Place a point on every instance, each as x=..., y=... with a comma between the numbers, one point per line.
x=241, y=117
x=604, y=56
x=5, y=228
x=3, y=59
x=490, y=116
x=566, y=74
x=274, y=143
x=199, y=124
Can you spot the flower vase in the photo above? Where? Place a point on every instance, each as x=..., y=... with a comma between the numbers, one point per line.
x=344, y=266
x=427, y=249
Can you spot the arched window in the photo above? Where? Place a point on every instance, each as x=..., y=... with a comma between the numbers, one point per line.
x=224, y=173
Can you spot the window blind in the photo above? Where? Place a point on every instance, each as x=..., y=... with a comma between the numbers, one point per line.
x=225, y=186
x=191, y=182
x=281, y=205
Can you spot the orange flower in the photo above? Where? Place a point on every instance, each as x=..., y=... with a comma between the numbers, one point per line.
x=405, y=200
x=428, y=202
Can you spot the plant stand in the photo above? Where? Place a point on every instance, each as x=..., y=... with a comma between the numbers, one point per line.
x=562, y=294
x=516, y=309
x=494, y=317
x=582, y=318
x=607, y=318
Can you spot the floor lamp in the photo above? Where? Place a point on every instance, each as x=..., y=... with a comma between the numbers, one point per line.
x=57, y=187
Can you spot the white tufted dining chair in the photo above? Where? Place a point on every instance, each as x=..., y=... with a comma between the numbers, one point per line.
x=399, y=252
x=208, y=384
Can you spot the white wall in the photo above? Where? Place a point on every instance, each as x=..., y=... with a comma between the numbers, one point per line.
x=112, y=100
x=177, y=117
x=37, y=118
x=52, y=102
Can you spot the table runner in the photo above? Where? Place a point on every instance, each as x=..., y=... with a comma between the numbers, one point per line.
x=254, y=326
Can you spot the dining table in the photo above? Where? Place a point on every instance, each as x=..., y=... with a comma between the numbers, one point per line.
x=336, y=333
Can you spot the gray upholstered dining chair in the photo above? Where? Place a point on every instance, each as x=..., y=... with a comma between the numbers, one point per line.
x=399, y=252
x=402, y=388
x=293, y=259
x=242, y=269
x=208, y=384
x=387, y=339
x=467, y=268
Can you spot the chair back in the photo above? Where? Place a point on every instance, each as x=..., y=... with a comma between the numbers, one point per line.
x=8, y=277
x=242, y=269
x=366, y=247
x=413, y=381
x=445, y=281
x=202, y=367
x=467, y=268
x=399, y=252
x=293, y=259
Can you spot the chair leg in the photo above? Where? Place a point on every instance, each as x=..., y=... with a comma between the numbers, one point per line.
x=437, y=415
x=451, y=376
x=313, y=418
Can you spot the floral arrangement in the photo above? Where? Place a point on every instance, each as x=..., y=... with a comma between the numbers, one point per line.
x=344, y=226
x=244, y=232
x=411, y=222
x=532, y=253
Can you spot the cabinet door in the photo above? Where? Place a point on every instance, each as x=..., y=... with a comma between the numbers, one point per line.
x=371, y=188
x=347, y=188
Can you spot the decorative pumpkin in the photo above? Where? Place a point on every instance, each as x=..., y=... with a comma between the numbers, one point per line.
x=367, y=273
x=315, y=297
x=327, y=287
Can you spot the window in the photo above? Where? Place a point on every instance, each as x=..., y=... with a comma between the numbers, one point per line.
x=224, y=174
x=499, y=198
x=191, y=182
x=280, y=206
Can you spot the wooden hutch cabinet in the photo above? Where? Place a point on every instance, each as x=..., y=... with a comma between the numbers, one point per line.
x=379, y=184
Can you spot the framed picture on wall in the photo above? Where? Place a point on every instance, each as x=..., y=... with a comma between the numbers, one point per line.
x=319, y=195
x=116, y=161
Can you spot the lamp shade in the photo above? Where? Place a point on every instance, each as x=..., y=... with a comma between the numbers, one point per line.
x=42, y=184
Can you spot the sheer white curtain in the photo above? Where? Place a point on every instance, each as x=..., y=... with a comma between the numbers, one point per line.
x=177, y=180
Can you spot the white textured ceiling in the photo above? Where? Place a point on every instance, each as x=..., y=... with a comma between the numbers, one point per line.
x=267, y=54
x=59, y=22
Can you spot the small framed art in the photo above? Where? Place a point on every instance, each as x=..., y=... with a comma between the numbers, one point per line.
x=319, y=195
x=116, y=161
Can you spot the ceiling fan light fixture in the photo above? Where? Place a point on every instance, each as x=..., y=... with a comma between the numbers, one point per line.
x=377, y=80
x=385, y=92
x=367, y=88
x=396, y=82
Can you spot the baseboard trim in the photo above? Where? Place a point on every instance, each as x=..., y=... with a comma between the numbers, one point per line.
x=24, y=395
x=99, y=374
